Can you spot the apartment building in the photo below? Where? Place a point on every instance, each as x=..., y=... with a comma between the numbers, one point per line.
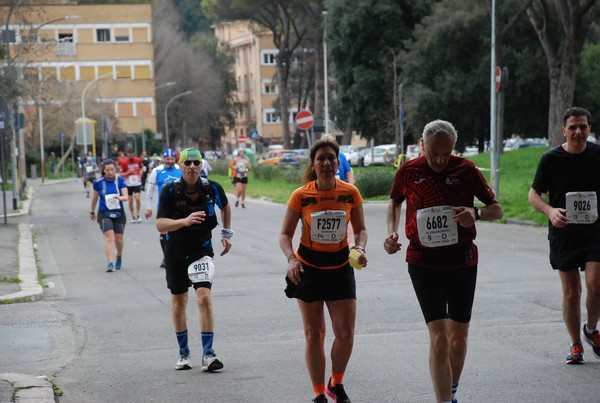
x=106, y=50
x=256, y=81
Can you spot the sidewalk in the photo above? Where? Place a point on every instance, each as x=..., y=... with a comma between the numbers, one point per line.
x=18, y=262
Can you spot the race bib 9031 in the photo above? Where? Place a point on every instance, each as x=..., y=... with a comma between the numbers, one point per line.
x=436, y=227
x=582, y=207
x=202, y=270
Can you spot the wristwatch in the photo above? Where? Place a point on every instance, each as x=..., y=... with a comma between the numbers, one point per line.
x=477, y=214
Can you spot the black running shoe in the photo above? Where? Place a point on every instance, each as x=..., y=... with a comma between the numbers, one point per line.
x=337, y=393
x=320, y=399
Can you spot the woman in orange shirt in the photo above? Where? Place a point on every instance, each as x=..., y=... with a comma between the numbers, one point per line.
x=319, y=272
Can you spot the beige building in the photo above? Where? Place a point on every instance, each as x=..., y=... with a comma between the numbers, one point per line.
x=256, y=81
x=106, y=50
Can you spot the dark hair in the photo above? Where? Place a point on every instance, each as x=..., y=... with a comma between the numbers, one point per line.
x=310, y=174
x=106, y=162
x=577, y=112
x=130, y=150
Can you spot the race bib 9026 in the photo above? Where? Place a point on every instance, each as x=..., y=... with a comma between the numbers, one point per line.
x=436, y=227
x=582, y=207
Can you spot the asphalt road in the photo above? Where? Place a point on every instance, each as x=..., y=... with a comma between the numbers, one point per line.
x=107, y=337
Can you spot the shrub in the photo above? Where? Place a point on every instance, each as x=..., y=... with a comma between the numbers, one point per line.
x=375, y=183
x=220, y=167
x=292, y=174
x=267, y=172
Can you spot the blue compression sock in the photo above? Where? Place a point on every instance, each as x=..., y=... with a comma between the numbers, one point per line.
x=182, y=339
x=207, y=340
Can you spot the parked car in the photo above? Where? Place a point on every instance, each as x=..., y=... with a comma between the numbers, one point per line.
x=381, y=155
x=294, y=157
x=517, y=143
x=271, y=157
x=354, y=155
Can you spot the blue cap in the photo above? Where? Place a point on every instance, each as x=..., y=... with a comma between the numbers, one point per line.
x=169, y=152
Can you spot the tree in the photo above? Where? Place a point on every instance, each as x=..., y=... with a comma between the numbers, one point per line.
x=193, y=70
x=364, y=41
x=452, y=79
x=282, y=19
x=561, y=30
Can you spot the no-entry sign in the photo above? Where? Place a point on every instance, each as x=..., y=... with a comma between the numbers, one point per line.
x=304, y=120
x=498, y=78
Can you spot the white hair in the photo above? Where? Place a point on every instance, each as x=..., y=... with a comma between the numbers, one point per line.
x=439, y=128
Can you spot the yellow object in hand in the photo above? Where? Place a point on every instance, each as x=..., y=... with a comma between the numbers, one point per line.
x=354, y=256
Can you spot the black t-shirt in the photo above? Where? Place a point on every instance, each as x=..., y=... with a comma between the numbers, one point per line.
x=196, y=237
x=560, y=172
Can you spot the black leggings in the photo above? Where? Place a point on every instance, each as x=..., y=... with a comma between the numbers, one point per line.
x=444, y=293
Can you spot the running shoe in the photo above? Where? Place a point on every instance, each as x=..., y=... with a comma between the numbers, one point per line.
x=593, y=339
x=183, y=362
x=118, y=263
x=243, y=205
x=139, y=220
x=337, y=393
x=575, y=357
x=110, y=268
x=210, y=362
x=162, y=264
x=237, y=203
x=320, y=399
x=133, y=220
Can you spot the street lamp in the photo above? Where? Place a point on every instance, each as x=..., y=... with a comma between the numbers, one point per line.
x=41, y=119
x=167, y=115
x=325, y=78
x=169, y=84
x=88, y=85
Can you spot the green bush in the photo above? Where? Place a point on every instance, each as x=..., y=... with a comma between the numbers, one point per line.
x=292, y=174
x=374, y=183
x=267, y=172
x=220, y=167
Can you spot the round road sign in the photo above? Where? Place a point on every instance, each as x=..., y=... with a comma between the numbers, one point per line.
x=304, y=120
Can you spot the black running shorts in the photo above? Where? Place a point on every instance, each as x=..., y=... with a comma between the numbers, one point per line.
x=176, y=270
x=134, y=189
x=323, y=285
x=240, y=180
x=444, y=293
x=573, y=253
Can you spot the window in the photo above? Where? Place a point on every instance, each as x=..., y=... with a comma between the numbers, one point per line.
x=123, y=72
x=121, y=35
x=125, y=109
x=103, y=35
x=11, y=36
x=65, y=46
x=87, y=73
x=141, y=72
x=269, y=87
x=268, y=57
x=270, y=116
x=65, y=37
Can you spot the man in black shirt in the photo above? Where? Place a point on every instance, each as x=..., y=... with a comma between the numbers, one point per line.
x=569, y=174
x=187, y=213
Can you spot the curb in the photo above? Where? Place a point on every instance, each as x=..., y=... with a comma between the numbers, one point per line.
x=31, y=290
x=29, y=389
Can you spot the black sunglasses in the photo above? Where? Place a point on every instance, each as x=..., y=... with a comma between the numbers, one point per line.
x=187, y=163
